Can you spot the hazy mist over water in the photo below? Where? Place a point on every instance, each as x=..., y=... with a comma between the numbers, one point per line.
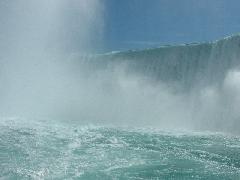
x=45, y=73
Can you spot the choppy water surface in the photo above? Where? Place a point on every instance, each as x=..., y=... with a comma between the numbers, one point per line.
x=44, y=150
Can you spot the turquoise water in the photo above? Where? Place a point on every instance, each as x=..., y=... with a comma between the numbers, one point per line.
x=50, y=150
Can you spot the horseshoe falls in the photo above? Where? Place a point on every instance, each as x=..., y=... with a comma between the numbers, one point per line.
x=165, y=113
x=67, y=112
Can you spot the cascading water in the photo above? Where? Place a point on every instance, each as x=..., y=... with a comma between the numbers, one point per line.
x=163, y=113
x=198, y=82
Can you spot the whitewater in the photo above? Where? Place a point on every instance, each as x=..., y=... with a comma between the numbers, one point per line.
x=52, y=150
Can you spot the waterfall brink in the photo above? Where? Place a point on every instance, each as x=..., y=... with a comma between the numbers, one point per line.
x=187, y=65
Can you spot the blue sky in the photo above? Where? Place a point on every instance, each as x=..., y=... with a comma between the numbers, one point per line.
x=133, y=24
x=119, y=25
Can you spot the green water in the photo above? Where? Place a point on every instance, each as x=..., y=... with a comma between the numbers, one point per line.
x=48, y=150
